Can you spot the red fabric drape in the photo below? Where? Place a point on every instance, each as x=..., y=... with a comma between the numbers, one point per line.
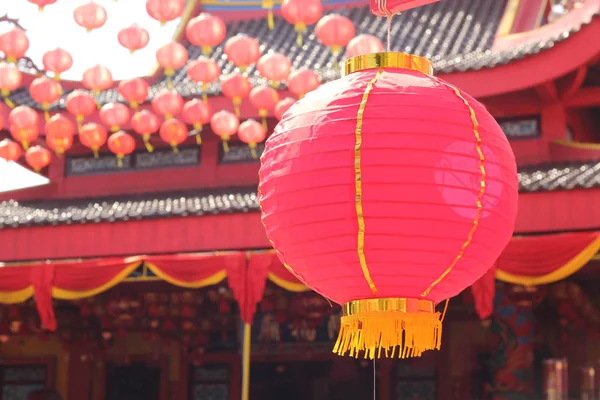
x=483, y=294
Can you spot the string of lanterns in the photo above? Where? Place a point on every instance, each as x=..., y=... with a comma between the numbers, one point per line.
x=205, y=31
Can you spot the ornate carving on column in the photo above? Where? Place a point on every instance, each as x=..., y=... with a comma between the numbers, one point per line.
x=513, y=329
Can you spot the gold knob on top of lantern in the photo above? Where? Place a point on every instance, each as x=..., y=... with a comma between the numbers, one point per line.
x=388, y=60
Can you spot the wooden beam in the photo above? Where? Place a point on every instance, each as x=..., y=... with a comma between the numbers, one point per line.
x=572, y=83
x=547, y=92
x=585, y=97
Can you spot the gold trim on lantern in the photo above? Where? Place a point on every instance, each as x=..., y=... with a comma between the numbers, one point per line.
x=388, y=60
x=402, y=305
x=389, y=327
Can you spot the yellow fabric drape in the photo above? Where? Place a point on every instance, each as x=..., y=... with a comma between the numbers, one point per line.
x=211, y=280
x=18, y=296
x=287, y=285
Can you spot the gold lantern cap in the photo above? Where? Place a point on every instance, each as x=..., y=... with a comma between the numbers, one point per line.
x=388, y=60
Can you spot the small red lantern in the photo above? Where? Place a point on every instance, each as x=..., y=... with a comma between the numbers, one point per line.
x=114, y=115
x=167, y=103
x=14, y=44
x=97, y=79
x=206, y=31
x=391, y=7
x=235, y=87
x=388, y=216
x=303, y=81
x=165, y=10
x=264, y=98
x=203, y=71
x=42, y=3
x=224, y=124
x=9, y=150
x=282, y=106
x=252, y=132
x=301, y=13
x=174, y=132
x=171, y=57
x=121, y=144
x=133, y=38
x=57, y=61
x=23, y=124
x=38, y=158
x=45, y=91
x=58, y=126
x=59, y=143
x=81, y=104
x=242, y=51
x=335, y=31
x=145, y=123
x=93, y=136
x=90, y=16
x=275, y=67
x=364, y=44
x=134, y=91
x=10, y=79
x=197, y=114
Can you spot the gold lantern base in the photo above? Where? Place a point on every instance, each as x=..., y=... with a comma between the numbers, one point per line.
x=390, y=327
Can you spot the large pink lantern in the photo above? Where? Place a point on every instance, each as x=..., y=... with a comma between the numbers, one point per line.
x=165, y=10
x=383, y=8
x=275, y=67
x=364, y=44
x=335, y=31
x=242, y=51
x=90, y=16
x=206, y=31
x=14, y=44
x=133, y=38
x=57, y=61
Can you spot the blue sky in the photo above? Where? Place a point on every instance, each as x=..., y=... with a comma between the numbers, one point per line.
x=55, y=27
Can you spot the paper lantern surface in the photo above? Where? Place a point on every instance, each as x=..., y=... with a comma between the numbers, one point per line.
x=388, y=190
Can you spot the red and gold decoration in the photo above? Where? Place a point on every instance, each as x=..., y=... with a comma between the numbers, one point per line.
x=23, y=125
x=14, y=44
x=90, y=16
x=45, y=91
x=10, y=150
x=59, y=134
x=57, y=61
x=264, y=98
x=165, y=10
x=10, y=79
x=235, y=87
x=301, y=13
x=134, y=91
x=38, y=158
x=224, y=124
x=387, y=8
x=243, y=51
x=145, y=123
x=203, y=71
x=93, y=136
x=121, y=144
x=114, y=115
x=206, y=31
x=252, y=132
x=167, y=103
x=303, y=81
x=341, y=236
x=174, y=132
x=171, y=57
x=196, y=113
x=276, y=67
x=97, y=79
x=133, y=38
x=81, y=104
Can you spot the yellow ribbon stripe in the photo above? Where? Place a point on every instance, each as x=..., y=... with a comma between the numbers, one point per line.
x=211, y=280
x=18, y=296
x=481, y=189
x=287, y=285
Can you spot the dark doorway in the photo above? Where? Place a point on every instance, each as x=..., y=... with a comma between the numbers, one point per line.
x=136, y=381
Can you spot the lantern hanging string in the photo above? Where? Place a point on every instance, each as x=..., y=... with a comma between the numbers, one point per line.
x=389, y=31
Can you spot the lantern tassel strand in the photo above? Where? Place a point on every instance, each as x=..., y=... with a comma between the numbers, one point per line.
x=395, y=334
x=198, y=138
x=271, y=20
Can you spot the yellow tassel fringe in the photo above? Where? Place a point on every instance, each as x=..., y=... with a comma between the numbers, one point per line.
x=393, y=333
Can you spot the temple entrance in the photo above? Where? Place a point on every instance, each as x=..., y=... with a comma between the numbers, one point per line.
x=136, y=381
x=343, y=378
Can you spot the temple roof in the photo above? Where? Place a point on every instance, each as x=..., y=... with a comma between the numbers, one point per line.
x=15, y=214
